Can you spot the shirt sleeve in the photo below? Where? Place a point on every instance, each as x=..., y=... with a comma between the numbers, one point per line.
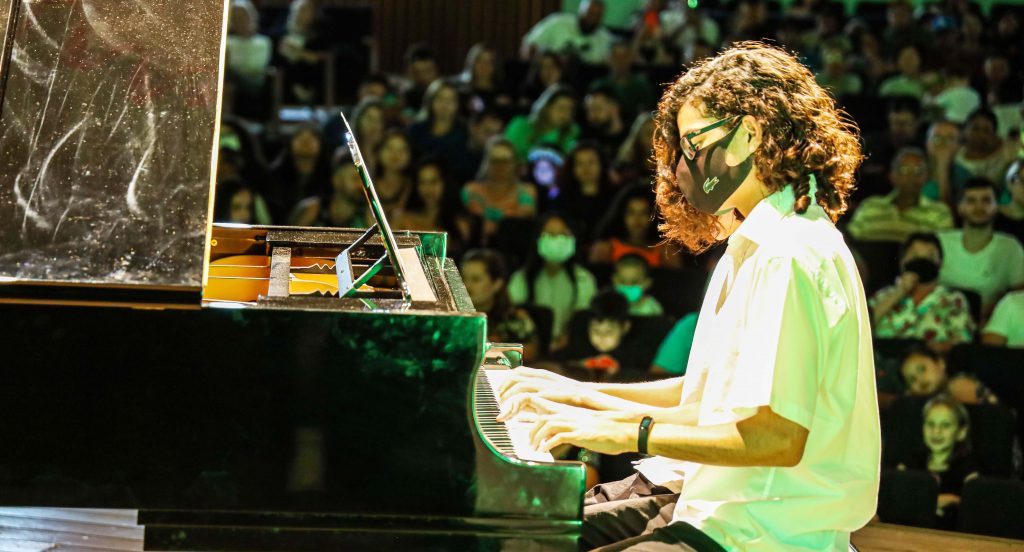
x=999, y=324
x=1015, y=263
x=781, y=346
x=517, y=291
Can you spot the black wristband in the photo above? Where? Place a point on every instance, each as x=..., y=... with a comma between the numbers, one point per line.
x=645, y=433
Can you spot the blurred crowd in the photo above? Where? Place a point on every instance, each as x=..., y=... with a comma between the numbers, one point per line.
x=539, y=168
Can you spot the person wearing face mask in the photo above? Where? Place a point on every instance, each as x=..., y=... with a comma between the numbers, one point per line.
x=553, y=278
x=771, y=440
x=916, y=306
x=630, y=278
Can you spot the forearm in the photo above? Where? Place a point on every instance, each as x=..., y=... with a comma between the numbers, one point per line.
x=659, y=393
x=884, y=305
x=756, y=441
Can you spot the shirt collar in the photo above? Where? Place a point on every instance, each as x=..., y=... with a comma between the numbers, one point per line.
x=770, y=211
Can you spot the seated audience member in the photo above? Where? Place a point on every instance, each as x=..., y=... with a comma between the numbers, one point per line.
x=630, y=278
x=957, y=100
x=916, y=305
x=248, y=51
x=421, y=69
x=628, y=227
x=902, y=120
x=552, y=277
x=945, y=178
x=434, y=206
x=983, y=153
x=1006, y=326
x=485, y=275
x=438, y=130
x=967, y=389
x=583, y=187
x=483, y=126
x=581, y=35
x=635, y=92
x=392, y=178
x=368, y=124
x=238, y=203
x=836, y=76
x=903, y=211
x=550, y=122
x=303, y=50
x=603, y=120
x=923, y=371
x=344, y=207
x=976, y=256
x=497, y=193
x=1010, y=219
x=908, y=81
x=604, y=353
x=946, y=454
x=302, y=170
x=634, y=161
x=674, y=351
x=481, y=84
x=546, y=70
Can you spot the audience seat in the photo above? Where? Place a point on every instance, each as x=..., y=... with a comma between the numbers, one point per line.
x=992, y=432
x=992, y=506
x=902, y=424
x=974, y=304
x=679, y=291
x=515, y=238
x=1000, y=368
x=882, y=259
x=908, y=498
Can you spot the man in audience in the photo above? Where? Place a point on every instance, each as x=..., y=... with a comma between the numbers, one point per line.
x=581, y=35
x=945, y=178
x=957, y=99
x=421, y=69
x=1006, y=327
x=634, y=91
x=631, y=279
x=880, y=147
x=977, y=257
x=603, y=123
x=483, y=126
x=905, y=210
x=916, y=306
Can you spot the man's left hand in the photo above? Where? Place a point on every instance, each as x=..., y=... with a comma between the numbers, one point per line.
x=593, y=432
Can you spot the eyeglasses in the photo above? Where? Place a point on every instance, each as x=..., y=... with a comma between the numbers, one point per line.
x=686, y=144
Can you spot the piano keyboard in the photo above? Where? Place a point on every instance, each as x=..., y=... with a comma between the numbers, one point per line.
x=511, y=438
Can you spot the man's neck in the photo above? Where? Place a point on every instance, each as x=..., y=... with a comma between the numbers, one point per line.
x=977, y=238
x=553, y=268
x=907, y=199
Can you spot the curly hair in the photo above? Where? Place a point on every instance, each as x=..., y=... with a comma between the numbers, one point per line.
x=803, y=132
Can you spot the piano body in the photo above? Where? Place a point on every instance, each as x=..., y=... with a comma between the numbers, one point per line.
x=157, y=362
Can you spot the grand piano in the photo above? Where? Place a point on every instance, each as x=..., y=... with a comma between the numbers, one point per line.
x=239, y=387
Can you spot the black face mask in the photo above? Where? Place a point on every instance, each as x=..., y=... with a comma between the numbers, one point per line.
x=707, y=181
x=927, y=270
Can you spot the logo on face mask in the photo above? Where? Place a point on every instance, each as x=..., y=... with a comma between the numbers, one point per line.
x=709, y=184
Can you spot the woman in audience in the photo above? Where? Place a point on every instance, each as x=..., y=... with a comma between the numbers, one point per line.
x=236, y=202
x=481, y=84
x=916, y=305
x=302, y=170
x=629, y=228
x=550, y=123
x=392, y=179
x=303, y=51
x=438, y=130
x=984, y=153
x=552, y=277
x=584, y=188
x=634, y=161
x=485, y=275
x=946, y=454
x=433, y=206
x=546, y=70
x=368, y=124
x=345, y=206
x=497, y=193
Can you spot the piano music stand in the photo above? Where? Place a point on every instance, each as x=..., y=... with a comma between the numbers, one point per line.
x=348, y=281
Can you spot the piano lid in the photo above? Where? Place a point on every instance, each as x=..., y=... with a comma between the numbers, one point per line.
x=107, y=129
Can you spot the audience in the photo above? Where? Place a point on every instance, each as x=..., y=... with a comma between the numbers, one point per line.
x=936, y=91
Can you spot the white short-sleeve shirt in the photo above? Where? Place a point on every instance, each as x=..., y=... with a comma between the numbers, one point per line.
x=784, y=324
x=560, y=32
x=999, y=266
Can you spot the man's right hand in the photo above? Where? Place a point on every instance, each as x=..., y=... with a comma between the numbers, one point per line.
x=906, y=282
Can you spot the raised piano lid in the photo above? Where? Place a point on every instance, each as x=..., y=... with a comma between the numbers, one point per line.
x=107, y=129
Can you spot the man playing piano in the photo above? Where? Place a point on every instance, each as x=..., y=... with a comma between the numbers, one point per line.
x=771, y=440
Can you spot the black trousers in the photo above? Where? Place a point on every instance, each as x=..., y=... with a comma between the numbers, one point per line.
x=636, y=515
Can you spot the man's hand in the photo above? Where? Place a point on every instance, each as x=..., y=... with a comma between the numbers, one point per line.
x=595, y=433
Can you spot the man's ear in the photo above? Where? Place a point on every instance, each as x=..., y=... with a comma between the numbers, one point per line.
x=753, y=130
